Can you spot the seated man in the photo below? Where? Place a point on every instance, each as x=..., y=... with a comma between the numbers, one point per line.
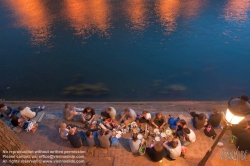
x=76, y=139
x=143, y=119
x=158, y=121
x=91, y=138
x=27, y=113
x=88, y=115
x=104, y=138
x=128, y=116
x=187, y=137
x=173, y=148
x=173, y=122
x=214, y=118
x=109, y=113
x=7, y=111
x=69, y=112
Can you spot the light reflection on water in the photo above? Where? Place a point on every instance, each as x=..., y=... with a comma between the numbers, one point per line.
x=88, y=17
x=236, y=10
x=33, y=16
x=137, y=14
x=160, y=62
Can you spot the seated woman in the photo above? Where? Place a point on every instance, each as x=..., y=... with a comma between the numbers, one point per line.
x=88, y=115
x=173, y=148
x=134, y=143
x=158, y=121
x=199, y=120
x=24, y=124
x=28, y=113
x=64, y=130
x=181, y=124
x=156, y=152
x=173, y=122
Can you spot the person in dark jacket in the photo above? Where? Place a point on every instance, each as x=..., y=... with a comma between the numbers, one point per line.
x=209, y=131
x=215, y=118
x=156, y=152
x=243, y=141
x=76, y=139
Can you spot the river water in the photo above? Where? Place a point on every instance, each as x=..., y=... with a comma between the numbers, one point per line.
x=124, y=50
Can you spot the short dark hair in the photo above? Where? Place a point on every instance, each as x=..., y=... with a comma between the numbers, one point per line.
x=201, y=116
x=20, y=108
x=215, y=110
x=186, y=130
x=14, y=120
x=67, y=105
x=173, y=144
x=183, y=122
x=2, y=105
x=134, y=137
x=127, y=110
x=244, y=97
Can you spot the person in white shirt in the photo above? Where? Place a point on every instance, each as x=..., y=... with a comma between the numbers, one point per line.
x=173, y=148
x=109, y=113
x=188, y=136
x=128, y=116
x=27, y=113
x=144, y=119
x=134, y=143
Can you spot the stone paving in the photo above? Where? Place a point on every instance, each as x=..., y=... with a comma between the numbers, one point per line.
x=47, y=138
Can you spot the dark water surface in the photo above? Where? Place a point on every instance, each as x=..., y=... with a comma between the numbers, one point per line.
x=124, y=50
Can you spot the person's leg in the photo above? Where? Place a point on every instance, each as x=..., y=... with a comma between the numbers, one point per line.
x=186, y=143
x=83, y=138
x=180, y=135
x=95, y=135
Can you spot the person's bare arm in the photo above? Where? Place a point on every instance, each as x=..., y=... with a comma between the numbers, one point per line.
x=92, y=118
x=123, y=116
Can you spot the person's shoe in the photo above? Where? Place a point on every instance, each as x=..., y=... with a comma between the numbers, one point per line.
x=214, y=136
x=43, y=107
x=38, y=107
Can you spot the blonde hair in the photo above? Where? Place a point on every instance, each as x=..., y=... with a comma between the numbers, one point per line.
x=63, y=127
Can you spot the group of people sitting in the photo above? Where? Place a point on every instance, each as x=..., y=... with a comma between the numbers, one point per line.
x=21, y=116
x=106, y=137
x=100, y=132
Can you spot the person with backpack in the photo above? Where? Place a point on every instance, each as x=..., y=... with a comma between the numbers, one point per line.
x=209, y=131
x=24, y=124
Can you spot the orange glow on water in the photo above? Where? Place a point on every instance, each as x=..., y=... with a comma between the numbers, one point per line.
x=87, y=17
x=31, y=15
x=168, y=12
x=192, y=8
x=136, y=12
x=236, y=10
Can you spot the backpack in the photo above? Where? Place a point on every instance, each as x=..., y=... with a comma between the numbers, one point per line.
x=114, y=142
x=27, y=126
